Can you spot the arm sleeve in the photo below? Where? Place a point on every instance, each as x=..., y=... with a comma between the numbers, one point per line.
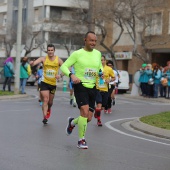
x=148, y=72
x=158, y=76
x=68, y=63
x=10, y=65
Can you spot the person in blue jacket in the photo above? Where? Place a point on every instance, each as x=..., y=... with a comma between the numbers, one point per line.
x=162, y=87
x=25, y=72
x=168, y=77
x=71, y=87
x=157, y=77
x=149, y=86
x=39, y=78
x=8, y=72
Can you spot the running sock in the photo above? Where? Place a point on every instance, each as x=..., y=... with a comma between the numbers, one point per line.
x=82, y=126
x=98, y=113
x=98, y=118
x=74, y=99
x=71, y=96
x=75, y=121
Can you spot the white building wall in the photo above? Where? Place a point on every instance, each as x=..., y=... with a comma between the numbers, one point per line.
x=32, y=4
x=62, y=3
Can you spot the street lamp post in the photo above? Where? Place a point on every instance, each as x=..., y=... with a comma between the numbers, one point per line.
x=18, y=53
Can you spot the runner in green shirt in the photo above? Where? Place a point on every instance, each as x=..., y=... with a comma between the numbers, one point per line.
x=87, y=63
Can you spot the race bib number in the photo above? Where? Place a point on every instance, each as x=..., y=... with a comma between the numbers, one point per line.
x=50, y=73
x=90, y=74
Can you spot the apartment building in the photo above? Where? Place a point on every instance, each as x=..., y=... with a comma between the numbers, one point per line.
x=48, y=21
x=157, y=35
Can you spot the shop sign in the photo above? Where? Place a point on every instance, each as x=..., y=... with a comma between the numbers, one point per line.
x=123, y=55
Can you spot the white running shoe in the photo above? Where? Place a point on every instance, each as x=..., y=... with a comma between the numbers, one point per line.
x=82, y=144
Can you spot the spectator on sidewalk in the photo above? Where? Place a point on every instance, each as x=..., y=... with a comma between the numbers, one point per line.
x=162, y=88
x=143, y=79
x=8, y=72
x=149, y=91
x=25, y=72
x=157, y=78
x=168, y=77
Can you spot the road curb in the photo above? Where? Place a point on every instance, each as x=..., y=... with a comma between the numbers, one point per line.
x=17, y=96
x=148, y=129
x=162, y=100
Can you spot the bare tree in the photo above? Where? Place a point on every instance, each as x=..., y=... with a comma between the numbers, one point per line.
x=101, y=17
x=28, y=39
x=8, y=42
x=133, y=15
x=138, y=22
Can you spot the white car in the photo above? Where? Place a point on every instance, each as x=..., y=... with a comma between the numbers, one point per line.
x=31, y=80
x=124, y=81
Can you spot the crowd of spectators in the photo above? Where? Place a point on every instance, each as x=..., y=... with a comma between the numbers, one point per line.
x=155, y=80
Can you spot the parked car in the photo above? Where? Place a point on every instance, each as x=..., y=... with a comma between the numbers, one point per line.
x=124, y=81
x=31, y=80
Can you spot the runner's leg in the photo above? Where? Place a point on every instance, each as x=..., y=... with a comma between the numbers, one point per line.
x=45, y=96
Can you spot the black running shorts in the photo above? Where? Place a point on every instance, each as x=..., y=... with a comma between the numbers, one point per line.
x=85, y=96
x=102, y=97
x=45, y=86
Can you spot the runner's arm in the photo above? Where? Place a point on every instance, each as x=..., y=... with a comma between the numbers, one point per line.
x=37, y=61
x=60, y=61
x=68, y=63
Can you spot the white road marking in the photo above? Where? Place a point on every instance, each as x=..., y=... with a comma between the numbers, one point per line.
x=123, y=133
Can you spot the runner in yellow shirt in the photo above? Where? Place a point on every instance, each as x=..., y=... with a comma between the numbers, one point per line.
x=51, y=64
x=102, y=89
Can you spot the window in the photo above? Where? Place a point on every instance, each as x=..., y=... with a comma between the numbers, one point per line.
x=75, y=40
x=24, y=15
x=15, y=19
x=36, y=13
x=4, y=20
x=56, y=12
x=154, y=24
x=15, y=3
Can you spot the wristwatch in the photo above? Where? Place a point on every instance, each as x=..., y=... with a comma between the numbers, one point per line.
x=70, y=74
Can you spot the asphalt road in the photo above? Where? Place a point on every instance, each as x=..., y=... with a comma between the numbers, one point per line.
x=26, y=144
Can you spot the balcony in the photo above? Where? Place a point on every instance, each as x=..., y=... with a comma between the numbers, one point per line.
x=59, y=27
x=3, y=8
x=64, y=3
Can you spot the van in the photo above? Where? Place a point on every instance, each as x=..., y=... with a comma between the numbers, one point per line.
x=124, y=81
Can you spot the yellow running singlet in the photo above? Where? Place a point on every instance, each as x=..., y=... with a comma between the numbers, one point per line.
x=50, y=70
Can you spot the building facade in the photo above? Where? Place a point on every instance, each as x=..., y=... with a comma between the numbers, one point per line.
x=156, y=36
x=43, y=22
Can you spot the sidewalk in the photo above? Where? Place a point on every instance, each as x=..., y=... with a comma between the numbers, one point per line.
x=8, y=97
x=159, y=99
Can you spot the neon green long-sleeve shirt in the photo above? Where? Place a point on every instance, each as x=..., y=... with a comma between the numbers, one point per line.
x=86, y=64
